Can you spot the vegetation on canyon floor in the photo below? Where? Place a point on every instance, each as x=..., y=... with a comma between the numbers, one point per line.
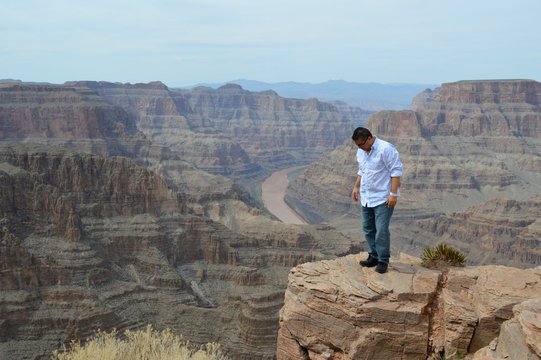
x=148, y=344
x=442, y=256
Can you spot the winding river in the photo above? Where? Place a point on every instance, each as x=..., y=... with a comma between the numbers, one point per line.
x=273, y=191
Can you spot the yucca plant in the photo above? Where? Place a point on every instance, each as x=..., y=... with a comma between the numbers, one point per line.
x=442, y=255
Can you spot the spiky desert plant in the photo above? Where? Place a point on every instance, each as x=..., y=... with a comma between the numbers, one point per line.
x=442, y=255
x=138, y=345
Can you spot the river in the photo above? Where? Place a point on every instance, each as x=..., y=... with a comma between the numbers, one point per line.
x=273, y=191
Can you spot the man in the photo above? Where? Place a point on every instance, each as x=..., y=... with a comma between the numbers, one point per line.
x=377, y=187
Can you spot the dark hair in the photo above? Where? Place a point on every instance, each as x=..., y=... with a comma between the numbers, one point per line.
x=361, y=134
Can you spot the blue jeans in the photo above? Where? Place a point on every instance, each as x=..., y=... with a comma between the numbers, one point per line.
x=375, y=224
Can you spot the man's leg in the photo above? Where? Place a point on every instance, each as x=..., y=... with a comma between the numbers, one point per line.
x=368, y=224
x=382, y=240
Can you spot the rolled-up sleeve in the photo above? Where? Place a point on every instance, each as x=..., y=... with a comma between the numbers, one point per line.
x=392, y=161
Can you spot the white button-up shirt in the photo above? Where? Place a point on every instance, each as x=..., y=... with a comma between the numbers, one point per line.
x=376, y=169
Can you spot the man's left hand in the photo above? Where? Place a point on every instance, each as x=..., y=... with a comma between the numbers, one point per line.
x=391, y=201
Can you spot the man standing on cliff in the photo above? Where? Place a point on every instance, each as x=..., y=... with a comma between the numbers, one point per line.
x=377, y=186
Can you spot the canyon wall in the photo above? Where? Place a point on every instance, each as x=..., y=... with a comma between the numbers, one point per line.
x=88, y=243
x=230, y=131
x=108, y=221
x=48, y=111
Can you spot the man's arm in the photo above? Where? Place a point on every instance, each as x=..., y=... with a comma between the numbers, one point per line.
x=356, y=187
x=395, y=184
x=393, y=196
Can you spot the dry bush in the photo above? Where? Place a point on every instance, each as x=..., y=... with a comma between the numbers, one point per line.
x=139, y=345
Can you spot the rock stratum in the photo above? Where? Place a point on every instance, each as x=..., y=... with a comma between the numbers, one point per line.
x=337, y=310
x=231, y=131
x=108, y=218
x=472, y=172
x=88, y=242
x=226, y=131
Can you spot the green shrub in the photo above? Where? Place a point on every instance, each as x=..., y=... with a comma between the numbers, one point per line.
x=441, y=256
x=138, y=345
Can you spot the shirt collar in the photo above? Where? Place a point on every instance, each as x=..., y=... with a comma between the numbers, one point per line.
x=374, y=146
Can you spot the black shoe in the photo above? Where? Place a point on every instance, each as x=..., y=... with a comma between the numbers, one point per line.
x=370, y=262
x=382, y=267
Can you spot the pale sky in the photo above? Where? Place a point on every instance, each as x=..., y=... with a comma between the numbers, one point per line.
x=185, y=42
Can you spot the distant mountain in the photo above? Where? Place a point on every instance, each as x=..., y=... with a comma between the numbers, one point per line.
x=9, y=81
x=368, y=96
x=17, y=81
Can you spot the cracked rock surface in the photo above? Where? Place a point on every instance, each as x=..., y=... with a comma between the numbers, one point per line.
x=335, y=309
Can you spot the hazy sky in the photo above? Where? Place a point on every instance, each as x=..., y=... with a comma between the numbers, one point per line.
x=183, y=42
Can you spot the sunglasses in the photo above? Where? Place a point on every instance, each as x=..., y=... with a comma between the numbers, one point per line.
x=361, y=145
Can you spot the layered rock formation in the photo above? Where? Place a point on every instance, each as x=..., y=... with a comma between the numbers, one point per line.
x=481, y=108
x=520, y=336
x=506, y=231
x=68, y=117
x=462, y=144
x=88, y=242
x=230, y=131
x=356, y=114
x=337, y=310
x=49, y=111
x=91, y=240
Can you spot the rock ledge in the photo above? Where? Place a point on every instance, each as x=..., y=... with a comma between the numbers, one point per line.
x=334, y=309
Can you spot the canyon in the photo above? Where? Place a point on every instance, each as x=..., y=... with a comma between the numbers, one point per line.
x=106, y=223
x=124, y=204
x=89, y=242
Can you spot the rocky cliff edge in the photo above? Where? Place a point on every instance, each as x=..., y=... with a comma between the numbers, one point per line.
x=337, y=310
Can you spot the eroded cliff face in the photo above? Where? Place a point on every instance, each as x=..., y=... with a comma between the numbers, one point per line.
x=506, y=231
x=230, y=131
x=69, y=117
x=337, y=310
x=487, y=108
x=88, y=243
x=265, y=120
x=462, y=145
x=47, y=111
